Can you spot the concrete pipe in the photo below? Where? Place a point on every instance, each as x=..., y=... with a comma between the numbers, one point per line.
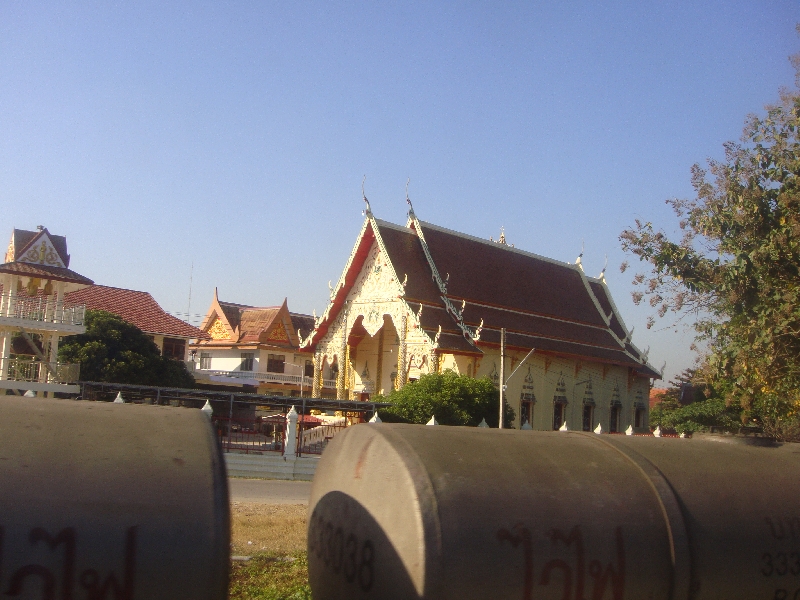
x=407, y=511
x=106, y=501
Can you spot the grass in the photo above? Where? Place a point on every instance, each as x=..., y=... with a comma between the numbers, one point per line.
x=274, y=536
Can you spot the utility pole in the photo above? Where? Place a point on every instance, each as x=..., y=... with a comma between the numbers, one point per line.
x=502, y=372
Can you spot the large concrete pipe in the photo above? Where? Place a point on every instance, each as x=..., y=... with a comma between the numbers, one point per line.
x=406, y=511
x=106, y=501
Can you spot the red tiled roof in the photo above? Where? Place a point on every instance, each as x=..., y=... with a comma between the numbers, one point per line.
x=138, y=308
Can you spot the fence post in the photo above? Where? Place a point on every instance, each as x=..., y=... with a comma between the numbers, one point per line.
x=300, y=430
x=290, y=445
x=230, y=423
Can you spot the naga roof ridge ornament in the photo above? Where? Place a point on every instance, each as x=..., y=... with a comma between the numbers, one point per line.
x=469, y=334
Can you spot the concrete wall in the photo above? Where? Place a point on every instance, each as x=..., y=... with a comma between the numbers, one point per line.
x=271, y=466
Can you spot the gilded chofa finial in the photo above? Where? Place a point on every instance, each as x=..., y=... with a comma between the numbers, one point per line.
x=408, y=200
x=368, y=210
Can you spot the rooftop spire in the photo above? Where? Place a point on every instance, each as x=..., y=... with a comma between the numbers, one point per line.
x=408, y=200
x=368, y=211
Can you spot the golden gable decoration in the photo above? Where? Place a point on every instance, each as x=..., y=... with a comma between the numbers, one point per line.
x=43, y=253
x=278, y=334
x=218, y=331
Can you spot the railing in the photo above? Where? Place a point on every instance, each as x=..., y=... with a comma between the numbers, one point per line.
x=40, y=308
x=314, y=440
x=308, y=382
x=249, y=435
x=37, y=370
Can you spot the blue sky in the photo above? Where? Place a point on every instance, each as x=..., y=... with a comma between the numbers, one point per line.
x=229, y=140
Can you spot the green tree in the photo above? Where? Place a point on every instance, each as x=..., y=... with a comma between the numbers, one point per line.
x=735, y=267
x=116, y=351
x=702, y=408
x=453, y=399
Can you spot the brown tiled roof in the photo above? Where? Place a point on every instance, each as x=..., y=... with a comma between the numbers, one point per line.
x=138, y=308
x=302, y=323
x=255, y=321
x=44, y=272
x=493, y=274
x=233, y=312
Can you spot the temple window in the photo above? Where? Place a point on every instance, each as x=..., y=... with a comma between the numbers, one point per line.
x=309, y=369
x=247, y=361
x=559, y=403
x=588, y=417
x=275, y=363
x=205, y=360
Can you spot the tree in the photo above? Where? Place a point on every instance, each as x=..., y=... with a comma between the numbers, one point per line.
x=736, y=267
x=453, y=399
x=116, y=351
x=690, y=405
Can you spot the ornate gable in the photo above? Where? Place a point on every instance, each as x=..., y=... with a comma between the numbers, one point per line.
x=278, y=334
x=376, y=292
x=218, y=331
x=40, y=251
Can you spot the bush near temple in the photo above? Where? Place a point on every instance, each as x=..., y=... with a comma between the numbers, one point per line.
x=453, y=399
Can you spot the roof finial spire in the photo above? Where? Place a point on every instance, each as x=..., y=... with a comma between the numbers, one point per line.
x=579, y=261
x=602, y=276
x=368, y=211
x=408, y=200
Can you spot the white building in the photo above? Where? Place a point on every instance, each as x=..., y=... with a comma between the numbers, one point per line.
x=34, y=315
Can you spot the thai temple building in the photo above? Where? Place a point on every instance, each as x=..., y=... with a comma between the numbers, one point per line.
x=419, y=298
x=35, y=278
x=255, y=349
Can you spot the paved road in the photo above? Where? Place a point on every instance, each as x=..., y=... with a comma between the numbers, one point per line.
x=269, y=491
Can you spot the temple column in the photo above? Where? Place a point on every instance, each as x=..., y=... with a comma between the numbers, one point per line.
x=402, y=375
x=341, y=380
x=434, y=361
x=315, y=385
x=379, y=366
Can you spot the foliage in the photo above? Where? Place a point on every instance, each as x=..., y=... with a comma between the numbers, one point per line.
x=270, y=577
x=453, y=399
x=702, y=410
x=116, y=351
x=736, y=267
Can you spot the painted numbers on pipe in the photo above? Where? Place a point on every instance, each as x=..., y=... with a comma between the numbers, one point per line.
x=611, y=576
x=342, y=552
x=97, y=587
x=783, y=562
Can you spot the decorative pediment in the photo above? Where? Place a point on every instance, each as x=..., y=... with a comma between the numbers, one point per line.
x=41, y=252
x=218, y=331
x=278, y=333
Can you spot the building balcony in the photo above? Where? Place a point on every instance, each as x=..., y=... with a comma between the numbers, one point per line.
x=37, y=375
x=256, y=378
x=41, y=313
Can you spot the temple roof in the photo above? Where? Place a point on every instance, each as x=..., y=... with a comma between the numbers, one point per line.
x=239, y=324
x=473, y=285
x=138, y=308
x=40, y=254
x=44, y=272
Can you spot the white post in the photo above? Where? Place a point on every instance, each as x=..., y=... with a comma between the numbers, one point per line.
x=6, y=356
x=502, y=373
x=290, y=445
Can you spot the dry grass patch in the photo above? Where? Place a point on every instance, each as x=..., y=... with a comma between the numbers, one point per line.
x=274, y=529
